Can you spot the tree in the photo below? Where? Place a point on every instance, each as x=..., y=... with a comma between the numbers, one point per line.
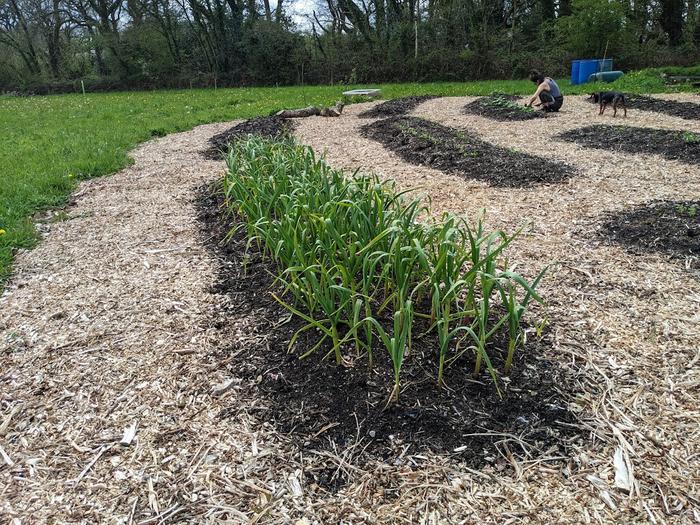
x=672, y=20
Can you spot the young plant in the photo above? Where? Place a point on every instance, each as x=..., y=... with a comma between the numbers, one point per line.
x=516, y=310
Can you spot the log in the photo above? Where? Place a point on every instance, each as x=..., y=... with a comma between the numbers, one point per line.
x=312, y=111
x=335, y=111
x=299, y=113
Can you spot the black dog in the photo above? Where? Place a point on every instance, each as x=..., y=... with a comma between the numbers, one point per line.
x=609, y=97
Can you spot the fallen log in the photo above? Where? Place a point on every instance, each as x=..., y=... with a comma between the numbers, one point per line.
x=312, y=111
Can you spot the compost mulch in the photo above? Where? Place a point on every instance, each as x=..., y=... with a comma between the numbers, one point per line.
x=395, y=107
x=491, y=107
x=673, y=145
x=328, y=407
x=459, y=152
x=674, y=108
x=668, y=227
x=271, y=127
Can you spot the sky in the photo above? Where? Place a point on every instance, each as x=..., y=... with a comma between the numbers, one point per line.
x=300, y=11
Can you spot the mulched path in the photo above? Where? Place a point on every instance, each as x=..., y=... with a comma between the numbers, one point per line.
x=325, y=407
x=497, y=107
x=674, y=108
x=455, y=151
x=668, y=227
x=267, y=127
x=395, y=107
x=683, y=146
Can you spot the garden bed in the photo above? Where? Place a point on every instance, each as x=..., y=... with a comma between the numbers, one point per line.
x=667, y=227
x=326, y=407
x=502, y=108
x=454, y=151
x=683, y=146
x=395, y=107
x=674, y=108
x=271, y=127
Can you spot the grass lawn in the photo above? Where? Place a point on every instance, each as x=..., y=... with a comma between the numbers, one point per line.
x=48, y=144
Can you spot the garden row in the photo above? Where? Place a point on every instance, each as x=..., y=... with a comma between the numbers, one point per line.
x=355, y=263
x=390, y=296
x=504, y=107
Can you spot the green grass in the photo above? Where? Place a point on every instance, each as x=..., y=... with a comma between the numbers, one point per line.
x=47, y=144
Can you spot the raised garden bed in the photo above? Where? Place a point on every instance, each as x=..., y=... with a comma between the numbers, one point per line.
x=324, y=407
x=683, y=146
x=502, y=107
x=674, y=108
x=271, y=127
x=454, y=151
x=668, y=227
x=395, y=107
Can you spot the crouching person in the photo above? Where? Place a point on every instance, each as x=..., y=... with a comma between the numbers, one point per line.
x=548, y=93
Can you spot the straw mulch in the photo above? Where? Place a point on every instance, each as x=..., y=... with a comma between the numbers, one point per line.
x=115, y=407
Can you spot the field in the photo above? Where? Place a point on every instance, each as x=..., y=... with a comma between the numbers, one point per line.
x=428, y=310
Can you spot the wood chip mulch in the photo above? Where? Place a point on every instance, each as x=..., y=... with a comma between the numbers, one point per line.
x=117, y=404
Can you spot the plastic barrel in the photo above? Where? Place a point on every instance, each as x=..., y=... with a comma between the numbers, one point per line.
x=575, y=65
x=605, y=76
x=586, y=69
x=591, y=66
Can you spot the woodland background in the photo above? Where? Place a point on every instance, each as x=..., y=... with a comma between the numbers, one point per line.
x=50, y=45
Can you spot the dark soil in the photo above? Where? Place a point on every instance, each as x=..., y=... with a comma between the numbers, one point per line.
x=325, y=407
x=668, y=227
x=455, y=151
x=673, y=145
x=675, y=108
x=396, y=107
x=267, y=127
x=493, y=107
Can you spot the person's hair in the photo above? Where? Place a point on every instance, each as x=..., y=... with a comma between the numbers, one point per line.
x=536, y=76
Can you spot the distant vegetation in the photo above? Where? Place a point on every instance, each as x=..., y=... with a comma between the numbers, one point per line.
x=50, y=45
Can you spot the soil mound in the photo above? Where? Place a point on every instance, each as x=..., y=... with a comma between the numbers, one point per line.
x=502, y=108
x=271, y=127
x=396, y=107
x=674, y=108
x=326, y=407
x=455, y=151
x=683, y=146
x=668, y=227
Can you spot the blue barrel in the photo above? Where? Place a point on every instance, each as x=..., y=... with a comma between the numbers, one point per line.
x=586, y=69
x=574, y=72
x=591, y=66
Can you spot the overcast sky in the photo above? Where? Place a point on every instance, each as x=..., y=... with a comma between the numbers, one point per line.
x=300, y=11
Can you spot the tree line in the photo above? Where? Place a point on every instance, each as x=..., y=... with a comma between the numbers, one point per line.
x=49, y=45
